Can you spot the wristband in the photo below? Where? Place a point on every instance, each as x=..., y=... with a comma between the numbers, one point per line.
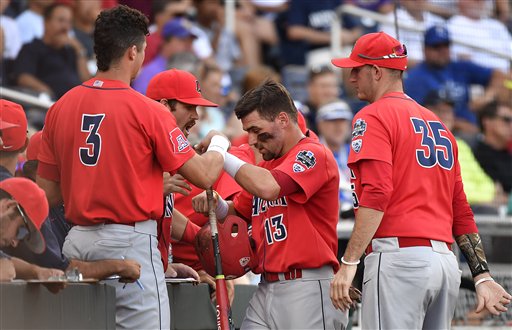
x=222, y=208
x=482, y=280
x=232, y=164
x=190, y=232
x=220, y=144
x=348, y=263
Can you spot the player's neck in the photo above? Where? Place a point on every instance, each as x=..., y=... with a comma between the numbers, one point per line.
x=115, y=73
x=293, y=138
x=9, y=163
x=386, y=88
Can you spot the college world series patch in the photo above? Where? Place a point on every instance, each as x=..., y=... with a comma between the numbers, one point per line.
x=356, y=145
x=307, y=158
x=359, y=128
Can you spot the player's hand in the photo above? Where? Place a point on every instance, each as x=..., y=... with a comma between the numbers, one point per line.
x=202, y=146
x=340, y=287
x=42, y=273
x=175, y=184
x=129, y=270
x=200, y=203
x=492, y=297
x=181, y=271
x=7, y=270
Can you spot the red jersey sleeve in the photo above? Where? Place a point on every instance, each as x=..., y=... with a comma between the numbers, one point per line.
x=243, y=204
x=463, y=218
x=165, y=136
x=310, y=168
x=377, y=183
x=46, y=152
x=370, y=139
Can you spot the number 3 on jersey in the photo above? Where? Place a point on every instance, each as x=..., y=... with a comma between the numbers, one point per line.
x=275, y=230
x=90, y=155
x=440, y=149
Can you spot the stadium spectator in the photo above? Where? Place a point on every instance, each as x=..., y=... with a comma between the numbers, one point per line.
x=84, y=16
x=163, y=12
x=30, y=22
x=177, y=38
x=413, y=13
x=491, y=150
x=439, y=72
x=307, y=26
x=473, y=28
x=323, y=87
x=11, y=34
x=333, y=121
x=56, y=63
x=480, y=189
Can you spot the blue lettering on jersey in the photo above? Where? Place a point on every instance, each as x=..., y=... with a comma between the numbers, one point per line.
x=260, y=205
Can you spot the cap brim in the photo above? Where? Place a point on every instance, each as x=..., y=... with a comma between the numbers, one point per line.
x=198, y=101
x=4, y=125
x=346, y=63
x=36, y=241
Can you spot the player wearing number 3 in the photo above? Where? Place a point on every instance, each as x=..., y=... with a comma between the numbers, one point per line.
x=409, y=202
x=103, y=152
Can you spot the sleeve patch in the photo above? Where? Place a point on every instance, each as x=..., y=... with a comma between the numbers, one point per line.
x=359, y=128
x=357, y=145
x=297, y=168
x=307, y=158
x=179, y=141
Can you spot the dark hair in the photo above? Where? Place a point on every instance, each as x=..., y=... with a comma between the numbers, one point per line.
x=4, y=194
x=269, y=99
x=48, y=11
x=115, y=31
x=490, y=110
x=30, y=169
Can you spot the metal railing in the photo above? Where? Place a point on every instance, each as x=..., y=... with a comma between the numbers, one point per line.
x=24, y=98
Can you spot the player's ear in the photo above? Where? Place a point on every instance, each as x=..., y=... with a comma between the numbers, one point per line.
x=132, y=52
x=283, y=119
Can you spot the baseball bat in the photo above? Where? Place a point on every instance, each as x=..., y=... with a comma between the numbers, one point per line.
x=224, y=320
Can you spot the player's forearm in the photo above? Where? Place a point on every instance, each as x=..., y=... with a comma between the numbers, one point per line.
x=472, y=248
x=202, y=171
x=258, y=181
x=51, y=189
x=179, y=224
x=24, y=270
x=366, y=224
x=99, y=269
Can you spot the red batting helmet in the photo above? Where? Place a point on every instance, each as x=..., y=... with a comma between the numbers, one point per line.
x=236, y=248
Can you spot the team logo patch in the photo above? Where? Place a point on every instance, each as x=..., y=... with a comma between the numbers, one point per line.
x=97, y=83
x=357, y=144
x=359, y=128
x=244, y=261
x=297, y=168
x=179, y=141
x=307, y=158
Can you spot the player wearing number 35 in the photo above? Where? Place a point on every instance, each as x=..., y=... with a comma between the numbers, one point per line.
x=103, y=152
x=409, y=201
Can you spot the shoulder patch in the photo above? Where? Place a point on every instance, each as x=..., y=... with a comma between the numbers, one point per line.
x=297, y=168
x=307, y=158
x=359, y=128
x=179, y=141
x=357, y=145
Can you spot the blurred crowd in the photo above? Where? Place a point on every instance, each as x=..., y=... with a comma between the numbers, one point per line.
x=47, y=48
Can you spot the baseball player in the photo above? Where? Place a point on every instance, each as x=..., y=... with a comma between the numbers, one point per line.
x=180, y=92
x=292, y=200
x=410, y=203
x=103, y=153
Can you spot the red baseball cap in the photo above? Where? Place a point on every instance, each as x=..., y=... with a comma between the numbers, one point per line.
x=33, y=145
x=178, y=85
x=33, y=201
x=13, y=116
x=5, y=125
x=379, y=49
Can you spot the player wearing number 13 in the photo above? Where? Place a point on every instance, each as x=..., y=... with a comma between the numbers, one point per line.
x=409, y=202
x=103, y=152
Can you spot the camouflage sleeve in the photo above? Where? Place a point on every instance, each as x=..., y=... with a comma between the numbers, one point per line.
x=473, y=250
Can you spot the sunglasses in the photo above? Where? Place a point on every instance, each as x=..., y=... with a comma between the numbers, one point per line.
x=24, y=231
x=399, y=51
